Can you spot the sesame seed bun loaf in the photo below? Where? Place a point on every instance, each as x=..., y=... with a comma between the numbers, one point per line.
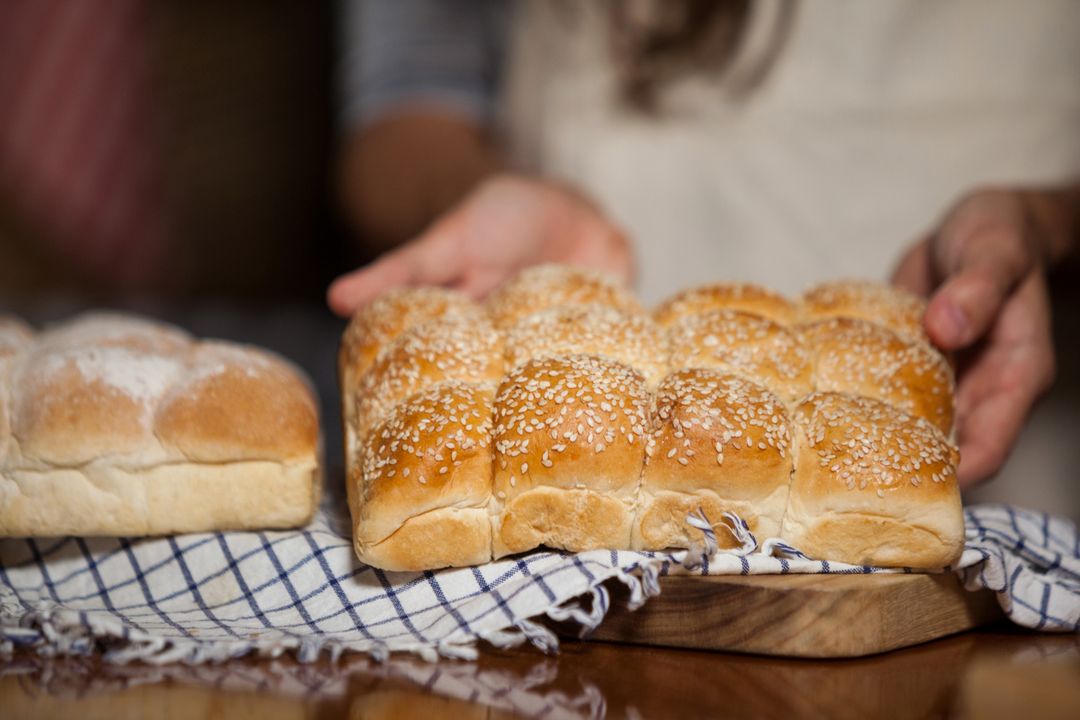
x=547, y=286
x=719, y=443
x=726, y=296
x=422, y=491
x=744, y=344
x=606, y=427
x=872, y=485
x=860, y=357
x=569, y=438
x=631, y=338
x=114, y=425
x=887, y=305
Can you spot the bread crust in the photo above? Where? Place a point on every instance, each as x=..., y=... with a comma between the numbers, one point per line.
x=608, y=428
x=872, y=486
x=718, y=443
x=431, y=455
x=631, y=338
x=863, y=358
x=887, y=305
x=744, y=344
x=746, y=297
x=111, y=424
x=571, y=423
x=542, y=287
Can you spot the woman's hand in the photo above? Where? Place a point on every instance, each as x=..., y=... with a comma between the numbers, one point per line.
x=507, y=223
x=983, y=269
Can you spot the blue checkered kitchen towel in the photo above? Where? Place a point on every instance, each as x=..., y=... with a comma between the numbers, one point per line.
x=207, y=597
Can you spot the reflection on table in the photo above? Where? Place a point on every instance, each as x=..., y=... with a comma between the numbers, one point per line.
x=984, y=674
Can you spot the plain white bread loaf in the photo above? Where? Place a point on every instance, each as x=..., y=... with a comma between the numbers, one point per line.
x=114, y=425
x=559, y=414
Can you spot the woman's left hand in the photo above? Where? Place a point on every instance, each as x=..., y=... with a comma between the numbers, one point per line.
x=984, y=271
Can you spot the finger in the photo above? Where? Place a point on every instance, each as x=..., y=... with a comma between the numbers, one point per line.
x=350, y=292
x=965, y=306
x=434, y=258
x=915, y=270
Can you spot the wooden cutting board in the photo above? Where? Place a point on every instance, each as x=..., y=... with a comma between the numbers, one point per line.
x=812, y=616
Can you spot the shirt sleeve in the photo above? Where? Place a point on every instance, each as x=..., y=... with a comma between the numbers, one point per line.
x=437, y=52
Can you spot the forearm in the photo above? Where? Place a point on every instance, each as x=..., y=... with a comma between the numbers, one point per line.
x=403, y=171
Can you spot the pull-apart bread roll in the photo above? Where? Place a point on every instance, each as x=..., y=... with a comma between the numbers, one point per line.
x=860, y=357
x=425, y=482
x=719, y=443
x=872, y=485
x=631, y=338
x=896, y=309
x=121, y=426
x=391, y=315
x=727, y=296
x=558, y=413
x=740, y=343
x=569, y=445
x=454, y=347
x=549, y=286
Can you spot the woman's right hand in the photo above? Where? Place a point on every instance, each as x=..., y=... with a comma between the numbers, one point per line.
x=507, y=223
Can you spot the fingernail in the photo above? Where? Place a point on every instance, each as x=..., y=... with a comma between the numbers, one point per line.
x=955, y=322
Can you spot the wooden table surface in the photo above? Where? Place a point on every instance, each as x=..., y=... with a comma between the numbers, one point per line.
x=1001, y=672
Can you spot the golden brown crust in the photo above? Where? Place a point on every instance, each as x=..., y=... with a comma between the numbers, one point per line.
x=239, y=403
x=432, y=452
x=377, y=324
x=719, y=441
x=872, y=485
x=542, y=287
x=121, y=425
x=72, y=406
x=887, y=305
x=582, y=456
x=569, y=423
x=450, y=348
x=746, y=297
x=740, y=343
x=627, y=337
x=860, y=357
x=446, y=537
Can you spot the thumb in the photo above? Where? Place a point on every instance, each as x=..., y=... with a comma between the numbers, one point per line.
x=985, y=273
x=433, y=258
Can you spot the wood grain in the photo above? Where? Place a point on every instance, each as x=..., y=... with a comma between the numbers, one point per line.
x=811, y=616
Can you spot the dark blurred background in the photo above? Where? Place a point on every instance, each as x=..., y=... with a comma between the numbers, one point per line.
x=237, y=102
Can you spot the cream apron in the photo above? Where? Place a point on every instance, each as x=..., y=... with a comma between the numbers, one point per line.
x=873, y=119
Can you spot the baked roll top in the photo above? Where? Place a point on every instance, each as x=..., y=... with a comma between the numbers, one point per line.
x=631, y=338
x=454, y=347
x=542, y=287
x=748, y=298
x=569, y=446
x=886, y=305
x=860, y=357
x=719, y=443
x=740, y=343
x=422, y=491
x=872, y=485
